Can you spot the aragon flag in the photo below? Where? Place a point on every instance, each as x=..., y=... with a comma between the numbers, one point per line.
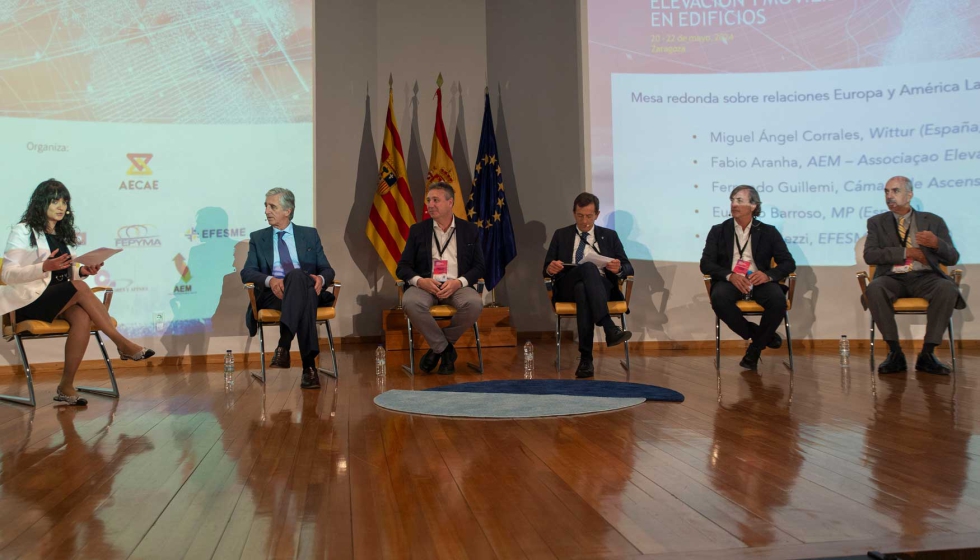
x=393, y=211
x=441, y=166
x=487, y=205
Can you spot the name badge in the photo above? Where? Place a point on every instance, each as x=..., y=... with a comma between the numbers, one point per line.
x=741, y=267
x=903, y=268
x=440, y=270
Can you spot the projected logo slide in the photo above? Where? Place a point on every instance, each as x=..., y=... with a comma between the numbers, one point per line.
x=167, y=121
x=815, y=104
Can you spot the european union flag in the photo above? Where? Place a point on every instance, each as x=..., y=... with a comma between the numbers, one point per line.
x=487, y=205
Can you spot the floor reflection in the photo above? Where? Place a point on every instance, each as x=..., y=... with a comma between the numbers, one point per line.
x=919, y=457
x=58, y=526
x=755, y=455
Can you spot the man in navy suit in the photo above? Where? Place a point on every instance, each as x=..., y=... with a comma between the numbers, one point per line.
x=441, y=263
x=582, y=282
x=738, y=256
x=287, y=265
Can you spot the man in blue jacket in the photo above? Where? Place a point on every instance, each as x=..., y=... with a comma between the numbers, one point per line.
x=290, y=271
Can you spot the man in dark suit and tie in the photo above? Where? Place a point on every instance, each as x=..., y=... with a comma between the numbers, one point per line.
x=738, y=255
x=590, y=288
x=907, y=248
x=441, y=263
x=287, y=265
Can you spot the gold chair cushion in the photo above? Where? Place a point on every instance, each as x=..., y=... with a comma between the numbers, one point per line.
x=40, y=328
x=568, y=308
x=273, y=316
x=750, y=306
x=442, y=311
x=911, y=305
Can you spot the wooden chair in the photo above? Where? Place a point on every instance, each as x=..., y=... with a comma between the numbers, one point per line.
x=906, y=306
x=752, y=309
x=440, y=313
x=568, y=310
x=19, y=331
x=270, y=317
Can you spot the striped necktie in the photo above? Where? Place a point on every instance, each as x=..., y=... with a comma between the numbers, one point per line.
x=902, y=230
x=580, y=252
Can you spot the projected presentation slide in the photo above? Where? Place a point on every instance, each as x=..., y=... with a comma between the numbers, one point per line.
x=168, y=122
x=814, y=104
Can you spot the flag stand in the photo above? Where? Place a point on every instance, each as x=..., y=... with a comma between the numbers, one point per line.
x=493, y=300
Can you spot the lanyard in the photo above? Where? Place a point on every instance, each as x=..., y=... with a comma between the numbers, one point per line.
x=908, y=229
x=741, y=248
x=443, y=248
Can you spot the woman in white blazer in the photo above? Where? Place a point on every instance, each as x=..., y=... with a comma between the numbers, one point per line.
x=40, y=282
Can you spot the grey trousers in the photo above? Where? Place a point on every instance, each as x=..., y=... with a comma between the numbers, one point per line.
x=468, y=304
x=941, y=292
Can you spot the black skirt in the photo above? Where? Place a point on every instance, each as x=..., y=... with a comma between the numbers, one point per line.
x=52, y=300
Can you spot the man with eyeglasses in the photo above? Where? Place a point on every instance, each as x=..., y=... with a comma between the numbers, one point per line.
x=907, y=248
x=578, y=279
x=738, y=255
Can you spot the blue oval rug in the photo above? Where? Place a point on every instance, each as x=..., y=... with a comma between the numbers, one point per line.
x=566, y=387
x=497, y=405
x=524, y=398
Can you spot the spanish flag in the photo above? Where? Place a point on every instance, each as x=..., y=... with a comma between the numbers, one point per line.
x=441, y=166
x=393, y=212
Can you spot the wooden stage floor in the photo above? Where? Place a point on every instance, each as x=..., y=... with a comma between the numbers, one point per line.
x=765, y=465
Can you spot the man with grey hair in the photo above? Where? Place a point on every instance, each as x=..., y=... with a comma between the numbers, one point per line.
x=287, y=265
x=738, y=255
x=441, y=263
x=907, y=247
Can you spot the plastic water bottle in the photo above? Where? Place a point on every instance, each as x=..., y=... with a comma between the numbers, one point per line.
x=748, y=295
x=528, y=360
x=229, y=369
x=380, y=367
x=845, y=351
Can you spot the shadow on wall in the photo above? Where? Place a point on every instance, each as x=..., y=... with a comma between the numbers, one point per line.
x=198, y=287
x=648, y=309
x=415, y=164
x=805, y=300
x=367, y=311
x=461, y=158
x=229, y=317
x=522, y=288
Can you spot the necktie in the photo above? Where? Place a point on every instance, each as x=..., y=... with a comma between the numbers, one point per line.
x=284, y=259
x=580, y=252
x=902, y=230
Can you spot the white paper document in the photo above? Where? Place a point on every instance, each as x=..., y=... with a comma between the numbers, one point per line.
x=95, y=257
x=597, y=260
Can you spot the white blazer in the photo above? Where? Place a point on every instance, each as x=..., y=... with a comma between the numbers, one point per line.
x=21, y=271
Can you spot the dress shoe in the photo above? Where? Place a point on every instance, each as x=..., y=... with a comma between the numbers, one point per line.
x=311, y=378
x=616, y=336
x=751, y=358
x=894, y=363
x=280, y=358
x=429, y=361
x=448, y=365
x=585, y=369
x=775, y=342
x=930, y=364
